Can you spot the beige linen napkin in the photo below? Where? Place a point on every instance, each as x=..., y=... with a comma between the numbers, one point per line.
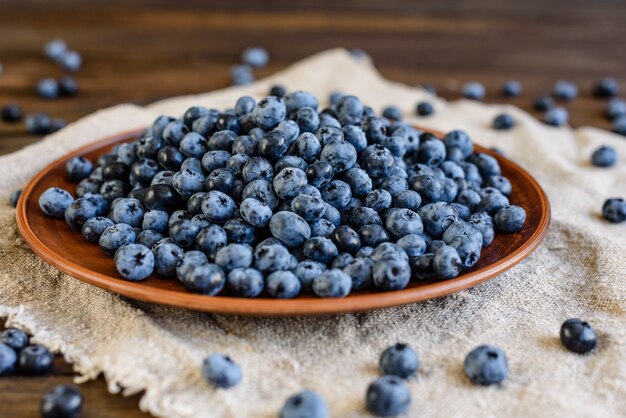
x=580, y=271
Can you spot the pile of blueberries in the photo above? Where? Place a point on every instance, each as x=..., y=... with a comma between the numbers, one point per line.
x=280, y=197
x=41, y=123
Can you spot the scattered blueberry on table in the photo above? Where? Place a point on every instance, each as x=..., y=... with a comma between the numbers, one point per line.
x=424, y=109
x=604, y=156
x=503, y=122
x=305, y=404
x=15, y=196
x=614, y=210
x=62, y=401
x=578, y=336
x=399, y=360
x=473, y=90
x=14, y=338
x=605, y=87
x=221, y=371
x=255, y=57
x=8, y=360
x=35, y=360
x=486, y=365
x=11, y=113
x=615, y=108
x=565, y=90
x=48, y=88
x=543, y=103
x=512, y=88
x=556, y=116
x=388, y=396
x=619, y=125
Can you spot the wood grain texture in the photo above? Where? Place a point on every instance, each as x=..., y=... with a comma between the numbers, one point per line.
x=144, y=50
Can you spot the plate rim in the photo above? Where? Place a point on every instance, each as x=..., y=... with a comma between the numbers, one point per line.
x=275, y=307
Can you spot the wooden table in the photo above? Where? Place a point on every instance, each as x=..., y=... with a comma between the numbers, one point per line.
x=141, y=51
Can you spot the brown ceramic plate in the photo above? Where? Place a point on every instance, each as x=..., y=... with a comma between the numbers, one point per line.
x=66, y=250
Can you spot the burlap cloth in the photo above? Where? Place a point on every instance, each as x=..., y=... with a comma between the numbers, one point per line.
x=579, y=271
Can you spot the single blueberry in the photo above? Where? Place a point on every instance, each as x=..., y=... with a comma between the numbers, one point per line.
x=486, y=365
x=512, y=88
x=62, y=401
x=35, y=360
x=578, y=336
x=54, y=201
x=604, y=156
x=283, y=284
x=614, y=210
x=332, y=283
x=14, y=338
x=399, y=360
x=305, y=404
x=503, y=122
x=221, y=371
x=245, y=282
x=8, y=360
x=473, y=90
x=388, y=396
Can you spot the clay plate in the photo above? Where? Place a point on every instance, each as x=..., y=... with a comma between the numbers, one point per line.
x=66, y=250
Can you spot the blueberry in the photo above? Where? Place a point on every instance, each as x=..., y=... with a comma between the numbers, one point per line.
x=512, y=88
x=320, y=249
x=341, y=261
x=273, y=145
x=79, y=211
x=401, y=222
x=143, y=171
x=565, y=90
x=360, y=271
x=446, y=262
x=359, y=181
x=164, y=177
x=283, y=284
x=355, y=136
x=365, y=251
x=234, y=256
x=228, y=123
x=543, y=103
x=115, y=237
x=255, y=213
x=262, y=191
x=134, y=262
x=307, y=271
x=255, y=57
x=337, y=193
x=333, y=283
x=166, y=258
x=170, y=158
x=241, y=75
x=473, y=90
x=461, y=140
x=346, y=239
x=161, y=197
x=245, y=282
x=424, y=109
x=88, y=185
x=310, y=208
x=54, y=49
x=322, y=227
x=484, y=223
x=205, y=125
x=54, y=201
x=244, y=144
x=422, y=266
x=149, y=238
x=510, y=218
x=193, y=145
x=486, y=365
x=269, y=112
x=94, y=227
x=378, y=200
x=70, y=61
x=48, y=88
x=68, y=86
x=188, y=182
x=614, y=210
x=392, y=113
x=62, y=401
x=8, y=360
x=38, y=123
x=604, y=156
x=341, y=155
x=305, y=404
x=128, y=211
x=391, y=273
x=503, y=122
x=11, y=113
x=218, y=207
x=270, y=258
x=388, y=396
x=412, y=244
x=372, y=235
x=377, y=161
x=189, y=260
x=221, y=371
x=289, y=182
x=619, y=126
x=35, y=360
x=399, y=360
x=615, y=108
x=428, y=187
x=605, y=87
x=184, y=232
x=431, y=151
x=13, y=338
x=468, y=249
x=278, y=91
x=328, y=134
x=492, y=202
x=578, y=336
x=556, y=116
x=500, y=183
x=289, y=228
x=307, y=119
x=205, y=279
